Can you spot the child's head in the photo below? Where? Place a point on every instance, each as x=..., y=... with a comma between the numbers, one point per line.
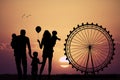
x=13, y=35
x=54, y=32
x=35, y=54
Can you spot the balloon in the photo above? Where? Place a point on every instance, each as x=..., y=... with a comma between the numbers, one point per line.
x=38, y=29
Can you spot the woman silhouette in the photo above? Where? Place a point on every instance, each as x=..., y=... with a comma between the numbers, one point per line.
x=47, y=51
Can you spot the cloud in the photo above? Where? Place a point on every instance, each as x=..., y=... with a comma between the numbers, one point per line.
x=117, y=42
x=5, y=46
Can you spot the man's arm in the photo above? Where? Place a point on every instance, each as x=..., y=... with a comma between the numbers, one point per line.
x=29, y=47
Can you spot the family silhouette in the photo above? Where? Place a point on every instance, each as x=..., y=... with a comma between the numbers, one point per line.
x=19, y=43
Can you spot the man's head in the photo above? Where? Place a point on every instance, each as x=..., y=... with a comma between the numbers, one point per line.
x=22, y=32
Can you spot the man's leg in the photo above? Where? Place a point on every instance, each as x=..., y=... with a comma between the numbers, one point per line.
x=24, y=64
x=18, y=66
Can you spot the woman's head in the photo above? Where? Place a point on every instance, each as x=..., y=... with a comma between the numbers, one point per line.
x=47, y=34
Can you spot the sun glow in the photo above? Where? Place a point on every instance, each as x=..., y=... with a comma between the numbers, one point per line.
x=64, y=62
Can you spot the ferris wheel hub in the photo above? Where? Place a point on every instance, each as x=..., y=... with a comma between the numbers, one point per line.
x=89, y=47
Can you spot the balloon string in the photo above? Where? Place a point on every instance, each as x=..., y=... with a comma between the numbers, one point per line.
x=38, y=35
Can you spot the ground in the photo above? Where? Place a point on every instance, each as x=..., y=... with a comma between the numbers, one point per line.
x=67, y=77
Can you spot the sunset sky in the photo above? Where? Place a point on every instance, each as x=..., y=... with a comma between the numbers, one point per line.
x=59, y=15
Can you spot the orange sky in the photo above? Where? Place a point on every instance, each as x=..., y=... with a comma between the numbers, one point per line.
x=59, y=15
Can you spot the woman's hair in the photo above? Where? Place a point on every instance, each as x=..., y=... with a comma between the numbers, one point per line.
x=46, y=36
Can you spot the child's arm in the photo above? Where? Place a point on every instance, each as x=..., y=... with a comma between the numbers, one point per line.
x=39, y=61
x=58, y=38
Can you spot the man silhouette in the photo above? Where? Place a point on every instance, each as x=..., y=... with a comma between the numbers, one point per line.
x=20, y=55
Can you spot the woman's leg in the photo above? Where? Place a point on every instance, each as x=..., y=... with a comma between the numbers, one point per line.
x=43, y=65
x=50, y=66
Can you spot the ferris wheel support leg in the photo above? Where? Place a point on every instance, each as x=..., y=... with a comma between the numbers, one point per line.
x=92, y=64
x=87, y=65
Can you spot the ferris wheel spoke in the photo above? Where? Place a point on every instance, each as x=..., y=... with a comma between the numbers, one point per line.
x=80, y=59
x=88, y=56
x=86, y=60
x=87, y=35
x=81, y=37
x=105, y=50
x=78, y=38
x=77, y=49
x=98, y=36
x=94, y=35
x=83, y=52
x=101, y=39
x=92, y=61
x=102, y=43
x=78, y=56
x=83, y=60
x=77, y=41
x=98, y=61
x=91, y=35
x=99, y=58
x=74, y=52
x=100, y=53
x=78, y=46
x=84, y=37
x=95, y=60
x=102, y=47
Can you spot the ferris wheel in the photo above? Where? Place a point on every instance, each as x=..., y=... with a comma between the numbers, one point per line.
x=89, y=48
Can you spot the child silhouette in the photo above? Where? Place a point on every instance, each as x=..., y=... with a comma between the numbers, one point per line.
x=13, y=42
x=54, y=38
x=34, y=64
